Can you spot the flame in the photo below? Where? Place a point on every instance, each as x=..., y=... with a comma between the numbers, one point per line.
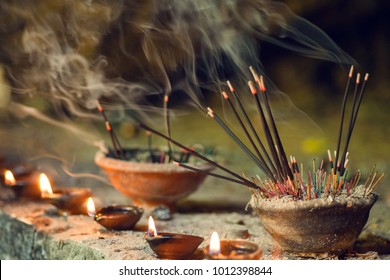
x=45, y=185
x=91, y=210
x=152, y=231
x=9, y=178
x=215, y=246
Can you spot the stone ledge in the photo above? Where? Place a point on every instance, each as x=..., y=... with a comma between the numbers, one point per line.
x=32, y=230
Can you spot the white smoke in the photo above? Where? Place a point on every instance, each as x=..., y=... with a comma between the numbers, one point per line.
x=74, y=52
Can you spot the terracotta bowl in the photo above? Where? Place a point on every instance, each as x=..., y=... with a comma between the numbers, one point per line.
x=119, y=217
x=174, y=246
x=151, y=184
x=314, y=226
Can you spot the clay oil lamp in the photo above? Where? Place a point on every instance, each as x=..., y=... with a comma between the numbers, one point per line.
x=23, y=183
x=115, y=217
x=70, y=201
x=231, y=249
x=171, y=245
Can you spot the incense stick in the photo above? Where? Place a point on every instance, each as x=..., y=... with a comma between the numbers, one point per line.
x=167, y=124
x=342, y=113
x=271, y=164
x=193, y=152
x=268, y=135
x=149, y=136
x=279, y=144
x=114, y=139
x=264, y=165
x=211, y=173
x=109, y=129
x=354, y=113
x=214, y=116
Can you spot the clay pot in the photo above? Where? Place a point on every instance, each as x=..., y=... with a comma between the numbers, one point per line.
x=119, y=217
x=173, y=246
x=151, y=184
x=314, y=226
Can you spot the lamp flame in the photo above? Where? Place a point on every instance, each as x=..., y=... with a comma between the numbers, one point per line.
x=91, y=210
x=152, y=231
x=45, y=185
x=9, y=178
x=215, y=246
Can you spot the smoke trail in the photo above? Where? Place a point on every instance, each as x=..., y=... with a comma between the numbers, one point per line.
x=74, y=52
x=212, y=39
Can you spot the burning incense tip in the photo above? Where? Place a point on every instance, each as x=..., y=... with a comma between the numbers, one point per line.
x=225, y=95
x=358, y=78
x=210, y=112
x=230, y=86
x=351, y=71
x=262, y=86
x=108, y=126
x=329, y=156
x=254, y=74
x=366, y=77
x=99, y=107
x=166, y=98
x=252, y=87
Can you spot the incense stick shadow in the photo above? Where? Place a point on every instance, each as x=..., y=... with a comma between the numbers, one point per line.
x=371, y=242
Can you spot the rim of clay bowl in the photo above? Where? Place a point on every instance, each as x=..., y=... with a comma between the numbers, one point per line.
x=122, y=165
x=126, y=209
x=287, y=203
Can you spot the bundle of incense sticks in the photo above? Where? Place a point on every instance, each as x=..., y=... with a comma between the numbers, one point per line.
x=118, y=151
x=284, y=177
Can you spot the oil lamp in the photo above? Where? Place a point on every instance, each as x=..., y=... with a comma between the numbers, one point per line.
x=168, y=245
x=68, y=200
x=23, y=183
x=231, y=249
x=115, y=217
